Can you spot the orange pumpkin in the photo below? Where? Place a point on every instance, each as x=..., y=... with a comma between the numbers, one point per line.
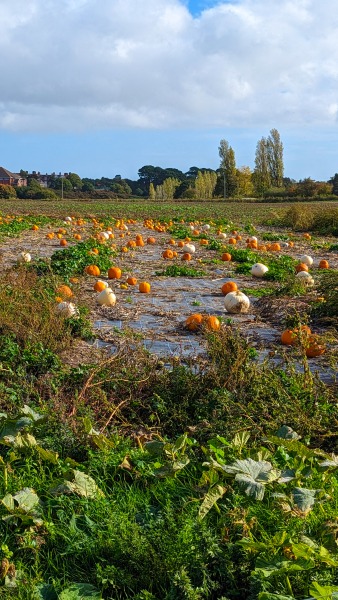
x=323, y=264
x=63, y=242
x=314, y=347
x=226, y=256
x=131, y=280
x=168, y=254
x=194, y=322
x=64, y=291
x=301, y=267
x=288, y=337
x=114, y=273
x=99, y=286
x=93, y=270
x=229, y=286
x=35, y=227
x=212, y=323
x=232, y=241
x=144, y=287
x=151, y=240
x=275, y=247
x=186, y=256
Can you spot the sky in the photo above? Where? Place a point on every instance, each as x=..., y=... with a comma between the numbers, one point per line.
x=104, y=87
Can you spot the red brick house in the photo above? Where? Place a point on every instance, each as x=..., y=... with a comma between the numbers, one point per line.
x=14, y=179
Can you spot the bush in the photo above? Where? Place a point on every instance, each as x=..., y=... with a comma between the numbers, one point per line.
x=7, y=191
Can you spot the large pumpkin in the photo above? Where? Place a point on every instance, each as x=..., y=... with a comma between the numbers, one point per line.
x=236, y=302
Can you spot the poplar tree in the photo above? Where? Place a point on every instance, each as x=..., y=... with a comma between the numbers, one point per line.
x=261, y=175
x=228, y=168
x=275, y=158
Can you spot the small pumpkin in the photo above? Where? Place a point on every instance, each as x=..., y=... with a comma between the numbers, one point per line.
x=144, y=287
x=306, y=259
x=314, y=347
x=64, y=291
x=25, y=257
x=131, y=280
x=114, y=273
x=186, y=256
x=93, y=270
x=229, y=286
x=324, y=264
x=100, y=285
x=193, y=322
x=212, y=323
x=168, y=254
x=226, y=256
x=259, y=270
x=302, y=267
x=67, y=309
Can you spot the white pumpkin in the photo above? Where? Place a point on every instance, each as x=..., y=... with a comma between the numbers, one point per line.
x=222, y=235
x=67, y=309
x=68, y=219
x=252, y=238
x=259, y=270
x=189, y=248
x=106, y=297
x=305, y=278
x=307, y=260
x=236, y=302
x=206, y=227
x=25, y=257
x=104, y=235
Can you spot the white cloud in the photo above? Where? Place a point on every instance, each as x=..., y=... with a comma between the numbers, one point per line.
x=80, y=64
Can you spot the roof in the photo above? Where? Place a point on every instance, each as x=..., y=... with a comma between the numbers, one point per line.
x=4, y=174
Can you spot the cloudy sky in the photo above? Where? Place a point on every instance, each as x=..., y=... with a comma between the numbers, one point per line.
x=103, y=87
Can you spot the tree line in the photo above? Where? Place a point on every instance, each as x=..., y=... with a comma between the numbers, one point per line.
x=266, y=180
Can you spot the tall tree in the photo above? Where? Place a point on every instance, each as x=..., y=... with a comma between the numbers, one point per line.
x=261, y=175
x=228, y=168
x=275, y=158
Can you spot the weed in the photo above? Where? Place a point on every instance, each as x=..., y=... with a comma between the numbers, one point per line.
x=181, y=271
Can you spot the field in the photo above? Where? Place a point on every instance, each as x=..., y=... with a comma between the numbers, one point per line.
x=154, y=444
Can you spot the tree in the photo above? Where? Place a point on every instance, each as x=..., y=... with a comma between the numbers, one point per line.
x=261, y=175
x=75, y=180
x=7, y=191
x=228, y=168
x=152, y=194
x=334, y=182
x=275, y=158
x=245, y=184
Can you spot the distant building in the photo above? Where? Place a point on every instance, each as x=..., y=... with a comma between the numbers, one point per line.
x=14, y=179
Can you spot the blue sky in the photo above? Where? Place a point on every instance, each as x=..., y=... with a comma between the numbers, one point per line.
x=161, y=82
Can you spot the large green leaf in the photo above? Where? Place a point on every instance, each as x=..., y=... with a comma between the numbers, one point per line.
x=253, y=475
x=304, y=498
x=79, y=483
x=326, y=592
x=80, y=591
x=279, y=564
x=214, y=494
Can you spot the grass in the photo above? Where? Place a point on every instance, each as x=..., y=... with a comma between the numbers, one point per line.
x=120, y=475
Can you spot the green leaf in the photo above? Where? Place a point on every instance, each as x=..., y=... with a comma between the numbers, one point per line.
x=277, y=564
x=12, y=426
x=269, y=596
x=214, y=494
x=240, y=439
x=304, y=499
x=253, y=475
x=155, y=448
x=45, y=592
x=80, y=591
x=287, y=433
x=29, y=412
x=48, y=455
x=26, y=499
x=295, y=446
x=320, y=592
x=179, y=444
x=330, y=462
x=80, y=484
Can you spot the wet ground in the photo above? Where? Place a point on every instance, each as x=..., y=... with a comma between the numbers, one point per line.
x=158, y=318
